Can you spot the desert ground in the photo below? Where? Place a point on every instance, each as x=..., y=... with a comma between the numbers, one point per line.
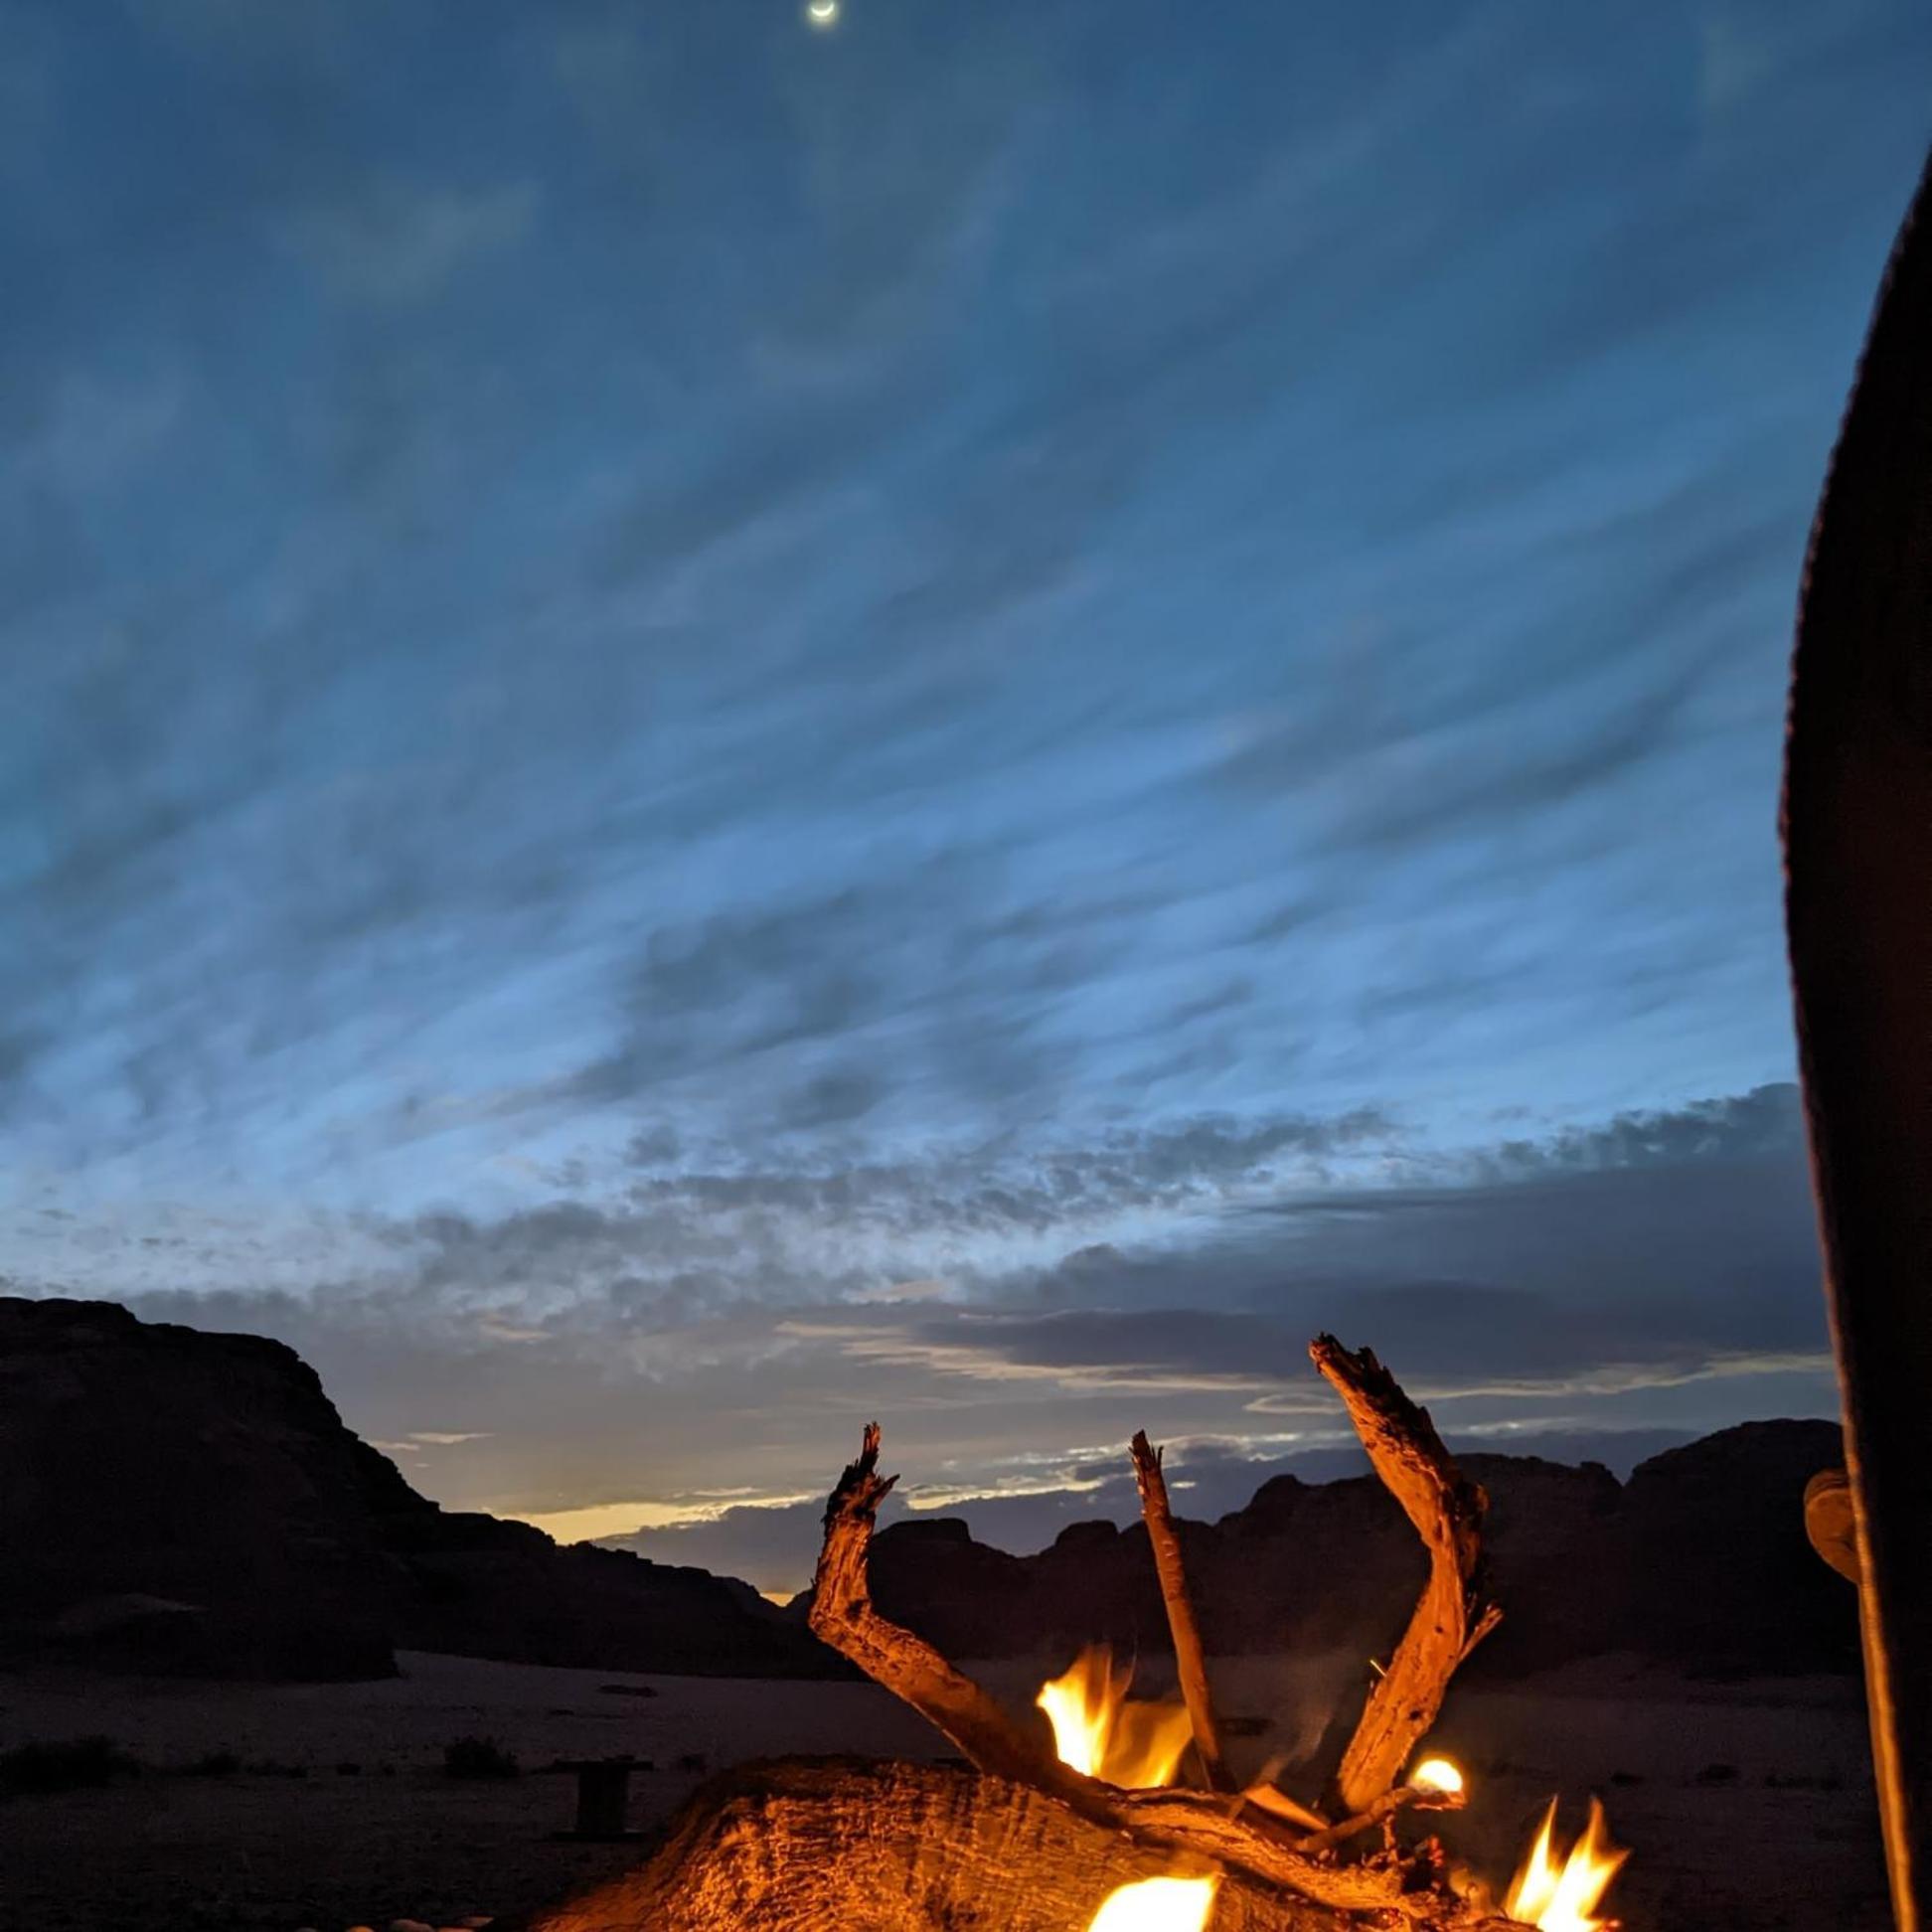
x=1747, y=1806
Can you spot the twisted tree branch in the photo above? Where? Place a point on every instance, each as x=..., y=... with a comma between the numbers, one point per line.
x=1449, y=1620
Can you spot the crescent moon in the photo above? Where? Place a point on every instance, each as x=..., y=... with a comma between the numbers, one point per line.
x=825, y=12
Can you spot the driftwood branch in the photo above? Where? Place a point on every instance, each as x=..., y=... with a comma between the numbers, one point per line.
x=1405, y=1797
x=1200, y=1824
x=1194, y=1825
x=1449, y=1621
x=1272, y=1799
x=1190, y=1662
x=842, y=1616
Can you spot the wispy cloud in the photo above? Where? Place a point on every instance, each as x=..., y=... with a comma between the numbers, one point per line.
x=401, y=242
x=1638, y=1281
x=723, y=725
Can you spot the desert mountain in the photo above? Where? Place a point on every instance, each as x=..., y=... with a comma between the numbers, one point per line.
x=177, y=1501
x=1700, y=1561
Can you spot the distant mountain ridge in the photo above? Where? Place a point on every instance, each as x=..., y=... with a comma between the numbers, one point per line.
x=177, y=1501
x=1698, y=1560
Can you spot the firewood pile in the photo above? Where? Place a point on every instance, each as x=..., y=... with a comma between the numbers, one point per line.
x=1023, y=1839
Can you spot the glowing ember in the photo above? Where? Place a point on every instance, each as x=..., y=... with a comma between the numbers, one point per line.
x=1157, y=1905
x=1096, y=1730
x=1564, y=1899
x=1436, y=1774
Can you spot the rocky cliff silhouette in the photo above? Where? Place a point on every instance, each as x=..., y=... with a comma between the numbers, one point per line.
x=1698, y=1561
x=190, y=1503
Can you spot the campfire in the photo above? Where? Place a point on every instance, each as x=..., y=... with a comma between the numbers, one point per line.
x=1563, y=1898
x=1157, y=1905
x=1099, y=1731
x=1100, y=1734
x=1131, y=1819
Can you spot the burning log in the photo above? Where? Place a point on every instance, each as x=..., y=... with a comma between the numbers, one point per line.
x=812, y=1844
x=1031, y=1838
x=1415, y=1795
x=1194, y=1824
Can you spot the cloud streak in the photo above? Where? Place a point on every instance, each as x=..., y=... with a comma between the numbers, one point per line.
x=718, y=725
x=672, y=1362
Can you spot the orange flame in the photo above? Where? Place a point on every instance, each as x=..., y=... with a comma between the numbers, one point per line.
x=1097, y=1731
x=1157, y=1905
x=1564, y=1899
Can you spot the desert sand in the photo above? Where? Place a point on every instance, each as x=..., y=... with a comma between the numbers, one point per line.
x=1747, y=1806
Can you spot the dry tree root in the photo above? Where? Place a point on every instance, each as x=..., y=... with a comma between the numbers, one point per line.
x=1026, y=1841
x=843, y=1845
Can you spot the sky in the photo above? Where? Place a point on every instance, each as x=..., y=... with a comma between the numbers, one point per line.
x=709, y=727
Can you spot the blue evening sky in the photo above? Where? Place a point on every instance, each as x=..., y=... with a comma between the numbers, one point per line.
x=708, y=728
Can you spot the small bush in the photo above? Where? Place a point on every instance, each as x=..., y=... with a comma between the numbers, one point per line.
x=478, y=1757
x=1626, y=1777
x=45, y=1765
x=348, y=1768
x=216, y=1764
x=1716, y=1774
x=694, y=1761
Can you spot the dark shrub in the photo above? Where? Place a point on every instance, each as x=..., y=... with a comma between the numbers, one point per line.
x=216, y=1764
x=63, y=1764
x=478, y=1757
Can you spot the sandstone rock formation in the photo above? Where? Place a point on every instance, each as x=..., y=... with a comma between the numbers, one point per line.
x=1701, y=1561
x=179, y=1502
x=208, y=1472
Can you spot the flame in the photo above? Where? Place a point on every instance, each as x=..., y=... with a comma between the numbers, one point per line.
x=1097, y=1731
x=1157, y=1905
x=1437, y=1774
x=1566, y=1899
